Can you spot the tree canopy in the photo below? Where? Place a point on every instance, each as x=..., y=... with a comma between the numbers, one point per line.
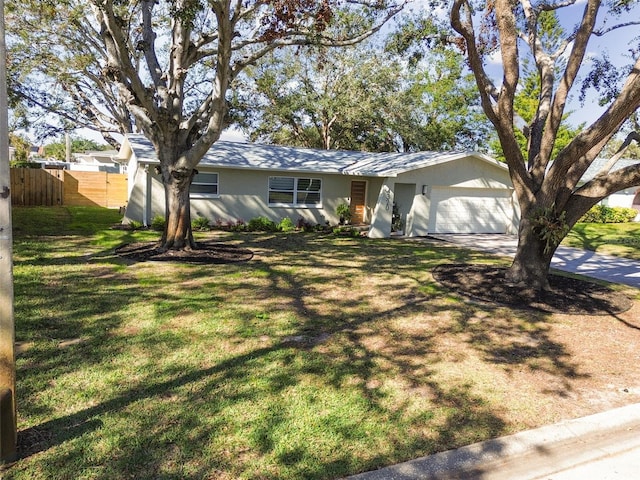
x=363, y=97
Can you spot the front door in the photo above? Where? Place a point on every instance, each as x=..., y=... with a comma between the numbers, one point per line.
x=358, y=201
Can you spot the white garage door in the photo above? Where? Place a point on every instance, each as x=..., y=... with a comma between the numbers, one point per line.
x=470, y=210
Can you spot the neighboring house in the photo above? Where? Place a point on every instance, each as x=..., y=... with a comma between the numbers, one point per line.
x=628, y=198
x=36, y=152
x=101, y=161
x=434, y=192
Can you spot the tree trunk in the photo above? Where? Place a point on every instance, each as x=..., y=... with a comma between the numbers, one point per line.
x=177, y=230
x=530, y=267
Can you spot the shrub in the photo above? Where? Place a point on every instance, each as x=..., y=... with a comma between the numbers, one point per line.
x=237, y=226
x=344, y=212
x=158, y=223
x=304, y=225
x=346, y=231
x=133, y=225
x=201, y=223
x=604, y=214
x=286, y=225
x=261, y=224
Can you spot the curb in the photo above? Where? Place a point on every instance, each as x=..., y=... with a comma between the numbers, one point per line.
x=526, y=455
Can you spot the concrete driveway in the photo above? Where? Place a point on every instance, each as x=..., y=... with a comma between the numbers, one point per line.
x=574, y=260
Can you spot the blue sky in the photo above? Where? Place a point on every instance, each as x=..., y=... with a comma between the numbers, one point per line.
x=615, y=44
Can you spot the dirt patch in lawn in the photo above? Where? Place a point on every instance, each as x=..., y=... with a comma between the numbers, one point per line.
x=567, y=295
x=206, y=252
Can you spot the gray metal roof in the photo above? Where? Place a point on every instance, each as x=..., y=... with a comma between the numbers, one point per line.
x=254, y=156
x=598, y=163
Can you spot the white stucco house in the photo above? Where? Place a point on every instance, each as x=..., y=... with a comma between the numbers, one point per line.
x=100, y=161
x=435, y=192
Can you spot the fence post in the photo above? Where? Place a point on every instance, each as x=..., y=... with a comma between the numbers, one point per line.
x=8, y=427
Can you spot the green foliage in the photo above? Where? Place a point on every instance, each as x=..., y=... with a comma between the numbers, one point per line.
x=344, y=212
x=346, y=231
x=135, y=225
x=201, y=223
x=550, y=226
x=632, y=151
x=58, y=150
x=158, y=223
x=605, y=214
x=361, y=99
x=261, y=224
x=526, y=105
x=21, y=146
x=286, y=225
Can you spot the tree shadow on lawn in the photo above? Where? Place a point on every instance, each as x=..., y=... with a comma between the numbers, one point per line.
x=385, y=343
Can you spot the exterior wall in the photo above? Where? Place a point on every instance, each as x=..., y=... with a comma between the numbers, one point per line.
x=620, y=199
x=243, y=195
x=380, y=226
x=468, y=172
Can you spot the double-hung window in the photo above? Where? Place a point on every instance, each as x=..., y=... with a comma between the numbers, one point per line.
x=204, y=185
x=295, y=191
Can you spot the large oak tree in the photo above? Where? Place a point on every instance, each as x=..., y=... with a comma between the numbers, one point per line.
x=165, y=67
x=548, y=184
x=365, y=97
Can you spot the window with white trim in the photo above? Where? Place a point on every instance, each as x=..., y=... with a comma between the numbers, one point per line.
x=204, y=185
x=295, y=191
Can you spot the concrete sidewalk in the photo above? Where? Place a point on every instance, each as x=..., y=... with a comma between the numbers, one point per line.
x=601, y=446
x=568, y=259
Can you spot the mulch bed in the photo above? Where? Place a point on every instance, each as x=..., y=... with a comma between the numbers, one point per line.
x=567, y=295
x=207, y=252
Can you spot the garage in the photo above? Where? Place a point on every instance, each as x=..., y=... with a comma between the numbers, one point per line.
x=470, y=210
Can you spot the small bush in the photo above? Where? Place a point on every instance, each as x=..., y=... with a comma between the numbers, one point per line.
x=158, y=223
x=346, y=231
x=133, y=225
x=604, y=214
x=261, y=224
x=201, y=224
x=344, y=212
x=286, y=225
x=304, y=225
x=237, y=226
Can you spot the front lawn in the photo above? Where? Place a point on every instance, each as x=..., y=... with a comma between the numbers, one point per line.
x=321, y=357
x=618, y=239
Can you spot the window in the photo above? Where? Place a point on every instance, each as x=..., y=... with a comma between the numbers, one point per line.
x=204, y=184
x=294, y=191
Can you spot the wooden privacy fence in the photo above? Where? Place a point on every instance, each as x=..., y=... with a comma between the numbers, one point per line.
x=39, y=187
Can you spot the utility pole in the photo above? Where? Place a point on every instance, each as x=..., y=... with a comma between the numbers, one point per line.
x=8, y=421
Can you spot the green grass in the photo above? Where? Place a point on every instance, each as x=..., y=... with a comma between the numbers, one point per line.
x=319, y=358
x=618, y=239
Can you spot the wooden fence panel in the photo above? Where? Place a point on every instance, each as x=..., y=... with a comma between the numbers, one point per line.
x=36, y=187
x=39, y=187
x=85, y=188
x=117, y=190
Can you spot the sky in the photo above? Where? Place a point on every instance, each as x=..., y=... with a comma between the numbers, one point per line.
x=615, y=44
